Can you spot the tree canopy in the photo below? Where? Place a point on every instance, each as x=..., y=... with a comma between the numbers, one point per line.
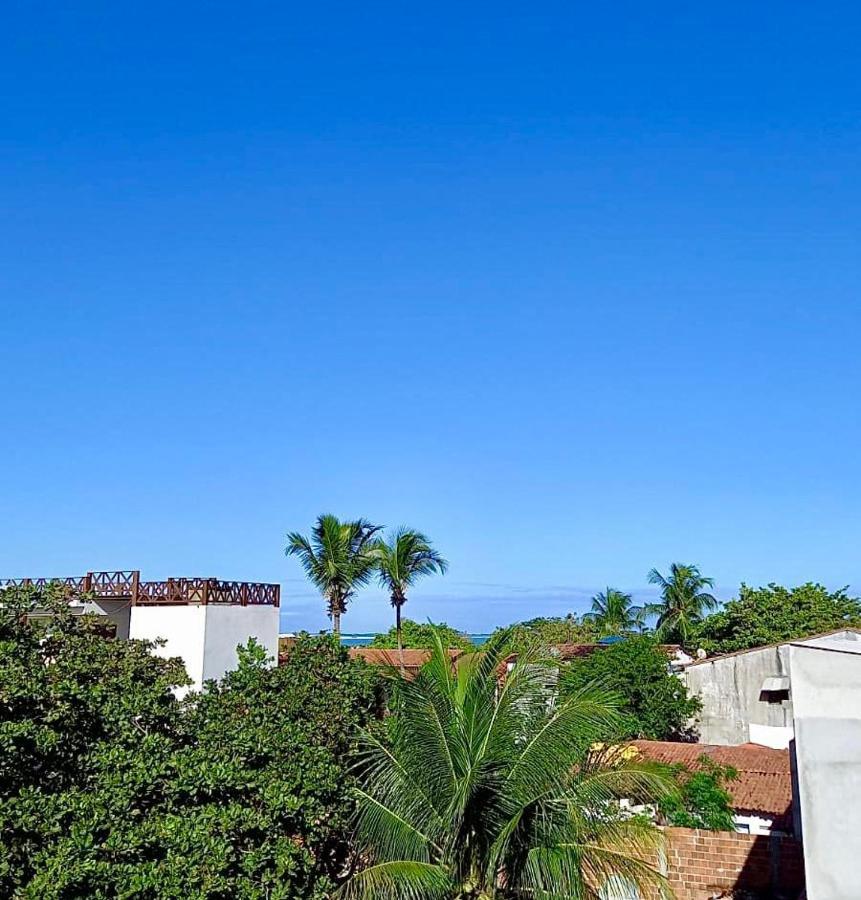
x=771, y=614
x=613, y=613
x=486, y=791
x=111, y=787
x=655, y=703
x=419, y=636
x=547, y=631
x=684, y=601
x=338, y=558
x=401, y=561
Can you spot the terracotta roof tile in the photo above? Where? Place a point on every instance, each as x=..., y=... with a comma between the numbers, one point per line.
x=412, y=659
x=764, y=783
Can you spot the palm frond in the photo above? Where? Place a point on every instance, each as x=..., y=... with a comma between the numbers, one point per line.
x=399, y=880
x=488, y=780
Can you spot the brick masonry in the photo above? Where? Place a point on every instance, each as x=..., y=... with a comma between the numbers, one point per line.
x=702, y=865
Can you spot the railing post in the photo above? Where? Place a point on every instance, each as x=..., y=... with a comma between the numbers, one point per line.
x=243, y=594
x=88, y=582
x=136, y=580
x=277, y=595
x=205, y=592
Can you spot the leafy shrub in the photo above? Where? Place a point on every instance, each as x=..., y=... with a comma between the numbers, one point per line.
x=656, y=703
x=111, y=787
x=772, y=614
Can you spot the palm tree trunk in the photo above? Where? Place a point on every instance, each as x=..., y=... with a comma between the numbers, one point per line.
x=398, y=606
x=336, y=621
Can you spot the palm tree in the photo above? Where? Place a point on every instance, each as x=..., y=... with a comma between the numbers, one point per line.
x=613, y=612
x=683, y=602
x=338, y=558
x=484, y=789
x=401, y=561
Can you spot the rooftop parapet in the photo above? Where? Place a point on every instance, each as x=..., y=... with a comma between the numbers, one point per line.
x=127, y=585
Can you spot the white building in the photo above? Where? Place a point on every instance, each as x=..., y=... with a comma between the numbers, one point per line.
x=747, y=696
x=826, y=689
x=200, y=620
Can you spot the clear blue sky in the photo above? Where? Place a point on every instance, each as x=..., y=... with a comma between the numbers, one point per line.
x=574, y=288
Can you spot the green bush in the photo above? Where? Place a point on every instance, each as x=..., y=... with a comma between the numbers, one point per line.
x=702, y=800
x=110, y=787
x=656, y=704
x=421, y=637
x=772, y=614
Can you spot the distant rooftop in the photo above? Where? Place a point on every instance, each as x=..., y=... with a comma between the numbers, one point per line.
x=844, y=639
x=843, y=642
x=412, y=659
x=127, y=586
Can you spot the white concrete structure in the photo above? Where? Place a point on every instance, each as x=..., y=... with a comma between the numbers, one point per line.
x=826, y=690
x=747, y=696
x=200, y=620
x=206, y=637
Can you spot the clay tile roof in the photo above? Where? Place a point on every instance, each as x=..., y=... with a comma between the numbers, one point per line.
x=413, y=660
x=764, y=783
x=574, y=651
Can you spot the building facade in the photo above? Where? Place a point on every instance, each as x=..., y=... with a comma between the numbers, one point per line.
x=747, y=696
x=200, y=620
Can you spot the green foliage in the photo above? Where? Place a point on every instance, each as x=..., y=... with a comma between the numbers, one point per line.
x=683, y=602
x=338, y=558
x=769, y=615
x=655, y=703
x=110, y=787
x=545, y=632
x=613, y=613
x=482, y=784
x=401, y=562
x=419, y=636
x=702, y=800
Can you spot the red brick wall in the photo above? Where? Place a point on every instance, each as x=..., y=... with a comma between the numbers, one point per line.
x=706, y=864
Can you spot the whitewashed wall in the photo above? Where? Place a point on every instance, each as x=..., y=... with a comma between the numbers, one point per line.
x=206, y=637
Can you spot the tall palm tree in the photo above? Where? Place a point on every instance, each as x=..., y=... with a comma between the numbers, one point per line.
x=613, y=612
x=337, y=558
x=401, y=562
x=484, y=789
x=684, y=601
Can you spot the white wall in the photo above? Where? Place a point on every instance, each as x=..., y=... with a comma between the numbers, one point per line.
x=182, y=627
x=826, y=689
x=206, y=637
x=730, y=690
x=779, y=737
x=227, y=626
x=116, y=611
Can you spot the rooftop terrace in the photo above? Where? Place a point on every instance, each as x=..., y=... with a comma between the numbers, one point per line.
x=127, y=586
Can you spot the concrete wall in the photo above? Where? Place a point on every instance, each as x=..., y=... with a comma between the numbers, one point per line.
x=118, y=612
x=182, y=628
x=206, y=637
x=734, y=710
x=227, y=626
x=826, y=686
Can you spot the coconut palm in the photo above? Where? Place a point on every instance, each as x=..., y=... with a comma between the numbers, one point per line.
x=613, y=612
x=683, y=602
x=487, y=789
x=337, y=558
x=401, y=562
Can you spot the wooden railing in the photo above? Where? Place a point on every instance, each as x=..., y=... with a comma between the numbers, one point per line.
x=172, y=592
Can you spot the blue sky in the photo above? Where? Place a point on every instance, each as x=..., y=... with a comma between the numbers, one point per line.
x=574, y=288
